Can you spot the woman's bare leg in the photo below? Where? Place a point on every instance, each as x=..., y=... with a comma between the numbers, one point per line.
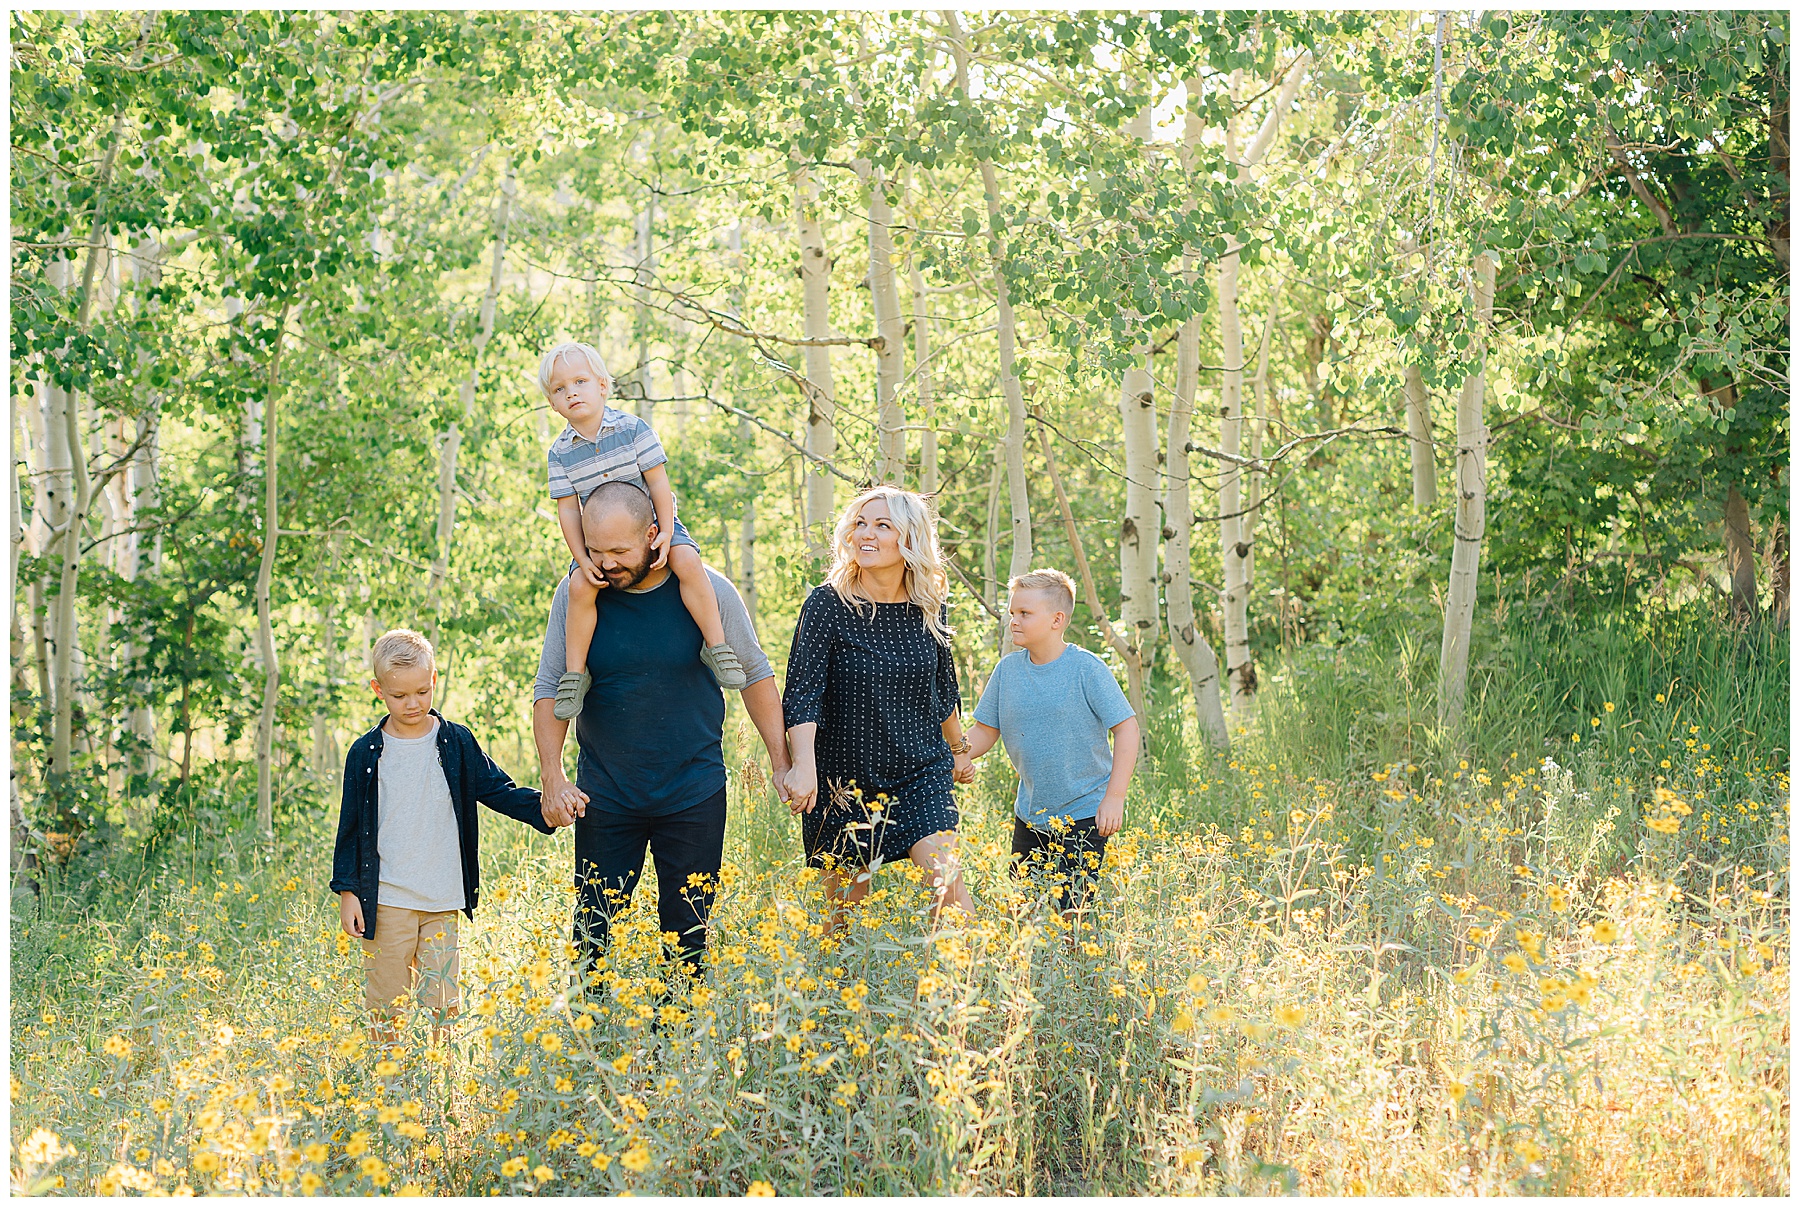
x=936, y=854
x=844, y=886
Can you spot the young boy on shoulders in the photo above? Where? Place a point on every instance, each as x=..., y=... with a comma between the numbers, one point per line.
x=606, y=445
x=1053, y=704
x=408, y=848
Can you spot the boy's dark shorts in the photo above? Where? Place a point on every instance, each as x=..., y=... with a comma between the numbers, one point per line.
x=1068, y=858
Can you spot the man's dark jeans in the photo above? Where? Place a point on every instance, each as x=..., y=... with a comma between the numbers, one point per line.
x=609, y=858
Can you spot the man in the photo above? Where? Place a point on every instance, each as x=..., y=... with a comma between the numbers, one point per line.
x=651, y=771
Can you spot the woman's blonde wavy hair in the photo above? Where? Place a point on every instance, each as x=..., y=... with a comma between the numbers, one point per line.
x=927, y=586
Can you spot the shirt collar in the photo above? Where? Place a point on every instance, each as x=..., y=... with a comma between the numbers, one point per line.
x=609, y=418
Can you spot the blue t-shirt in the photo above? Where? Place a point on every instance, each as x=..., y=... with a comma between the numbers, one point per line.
x=1054, y=720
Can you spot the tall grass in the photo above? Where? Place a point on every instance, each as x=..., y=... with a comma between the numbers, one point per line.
x=1355, y=956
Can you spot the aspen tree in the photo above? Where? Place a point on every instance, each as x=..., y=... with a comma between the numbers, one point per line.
x=821, y=396
x=1418, y=433
x=746, y=434
x=265, y=575
x=1234, y=534
x=923, y=381
x=451, y=443
x=890, y=327
x=646, y=273
x=1139, y=611
x=1018, y=492
x=1471, y=505
x=1196, y=653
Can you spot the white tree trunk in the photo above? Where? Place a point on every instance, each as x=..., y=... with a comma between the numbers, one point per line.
x=451, y=443
x=146, y=562
x=1018, y=492
x=746, y=434
x=1236, y=529
x=890, y=328
x=66, y=467
x=325, y=760
x=922, y=367
x=1197, y=655
x=990, y=548
x=265, y=620
x=1140, y=611
x=1418, y=430
x=1259, y=430
x=1471, y=508
x=821, y=394
x=646, y=273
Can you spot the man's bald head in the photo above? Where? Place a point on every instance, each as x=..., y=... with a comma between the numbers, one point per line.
x=613, y=498
x=616, y=522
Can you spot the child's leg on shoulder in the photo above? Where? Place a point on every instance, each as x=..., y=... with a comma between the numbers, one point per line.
x=697, y=592
x=579, y=624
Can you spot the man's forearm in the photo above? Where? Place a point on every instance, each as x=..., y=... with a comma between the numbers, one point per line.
x=548, y=732
x=763, y=703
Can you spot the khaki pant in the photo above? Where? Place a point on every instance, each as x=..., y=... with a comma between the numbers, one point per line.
x=413, y=952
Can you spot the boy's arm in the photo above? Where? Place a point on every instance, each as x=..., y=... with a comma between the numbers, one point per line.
x=1111, y=814
x=495, y=789
x=981, y=739
x=568, y=518
x=656, y=480
x=343, y=856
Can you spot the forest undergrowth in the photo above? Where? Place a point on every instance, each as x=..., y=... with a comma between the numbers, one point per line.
x=1352, y=957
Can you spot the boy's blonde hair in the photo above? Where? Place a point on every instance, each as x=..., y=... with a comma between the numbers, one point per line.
x=401, y=649
x=1054, y=583
x=548, y=364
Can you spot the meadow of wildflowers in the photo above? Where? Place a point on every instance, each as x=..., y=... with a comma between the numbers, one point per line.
x=1562, y=972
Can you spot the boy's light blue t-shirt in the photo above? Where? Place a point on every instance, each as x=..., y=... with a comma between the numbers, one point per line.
x=1054, y=720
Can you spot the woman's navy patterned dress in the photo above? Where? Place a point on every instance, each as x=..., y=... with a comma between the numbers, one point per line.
x=880, y=688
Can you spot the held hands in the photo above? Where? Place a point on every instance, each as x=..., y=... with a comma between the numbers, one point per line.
x=799, y=787
x=1110, y=816
x=660, y=543
x=350, y=915
x=965, y=769
x=562, y=803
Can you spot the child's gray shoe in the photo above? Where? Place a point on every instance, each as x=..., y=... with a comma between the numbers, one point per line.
x=571, y=690
x=723, y=662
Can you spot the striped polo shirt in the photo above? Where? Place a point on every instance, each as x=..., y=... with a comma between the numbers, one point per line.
x=623, y=448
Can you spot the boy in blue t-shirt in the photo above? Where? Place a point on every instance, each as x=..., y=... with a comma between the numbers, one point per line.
x=1053, y=704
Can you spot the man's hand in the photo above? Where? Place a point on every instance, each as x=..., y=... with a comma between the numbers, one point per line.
x=802, y=786
x=1110, y=816
x=563, y=802
x=350, y=914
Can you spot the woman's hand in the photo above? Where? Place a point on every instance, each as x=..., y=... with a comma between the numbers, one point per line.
x=965, y=769
x=802, y=784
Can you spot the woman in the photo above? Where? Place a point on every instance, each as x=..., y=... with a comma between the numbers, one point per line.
x=871, y=706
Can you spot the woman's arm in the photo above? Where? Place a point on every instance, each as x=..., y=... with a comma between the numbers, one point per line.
x=803, y=777
x=953, y=735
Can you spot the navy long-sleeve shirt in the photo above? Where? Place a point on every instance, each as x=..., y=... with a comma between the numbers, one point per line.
x=473, y=779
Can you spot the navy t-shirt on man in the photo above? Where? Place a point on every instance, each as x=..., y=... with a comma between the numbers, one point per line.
x=649, y=731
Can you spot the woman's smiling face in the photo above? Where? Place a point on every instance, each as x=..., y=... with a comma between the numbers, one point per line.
x=874, y=540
